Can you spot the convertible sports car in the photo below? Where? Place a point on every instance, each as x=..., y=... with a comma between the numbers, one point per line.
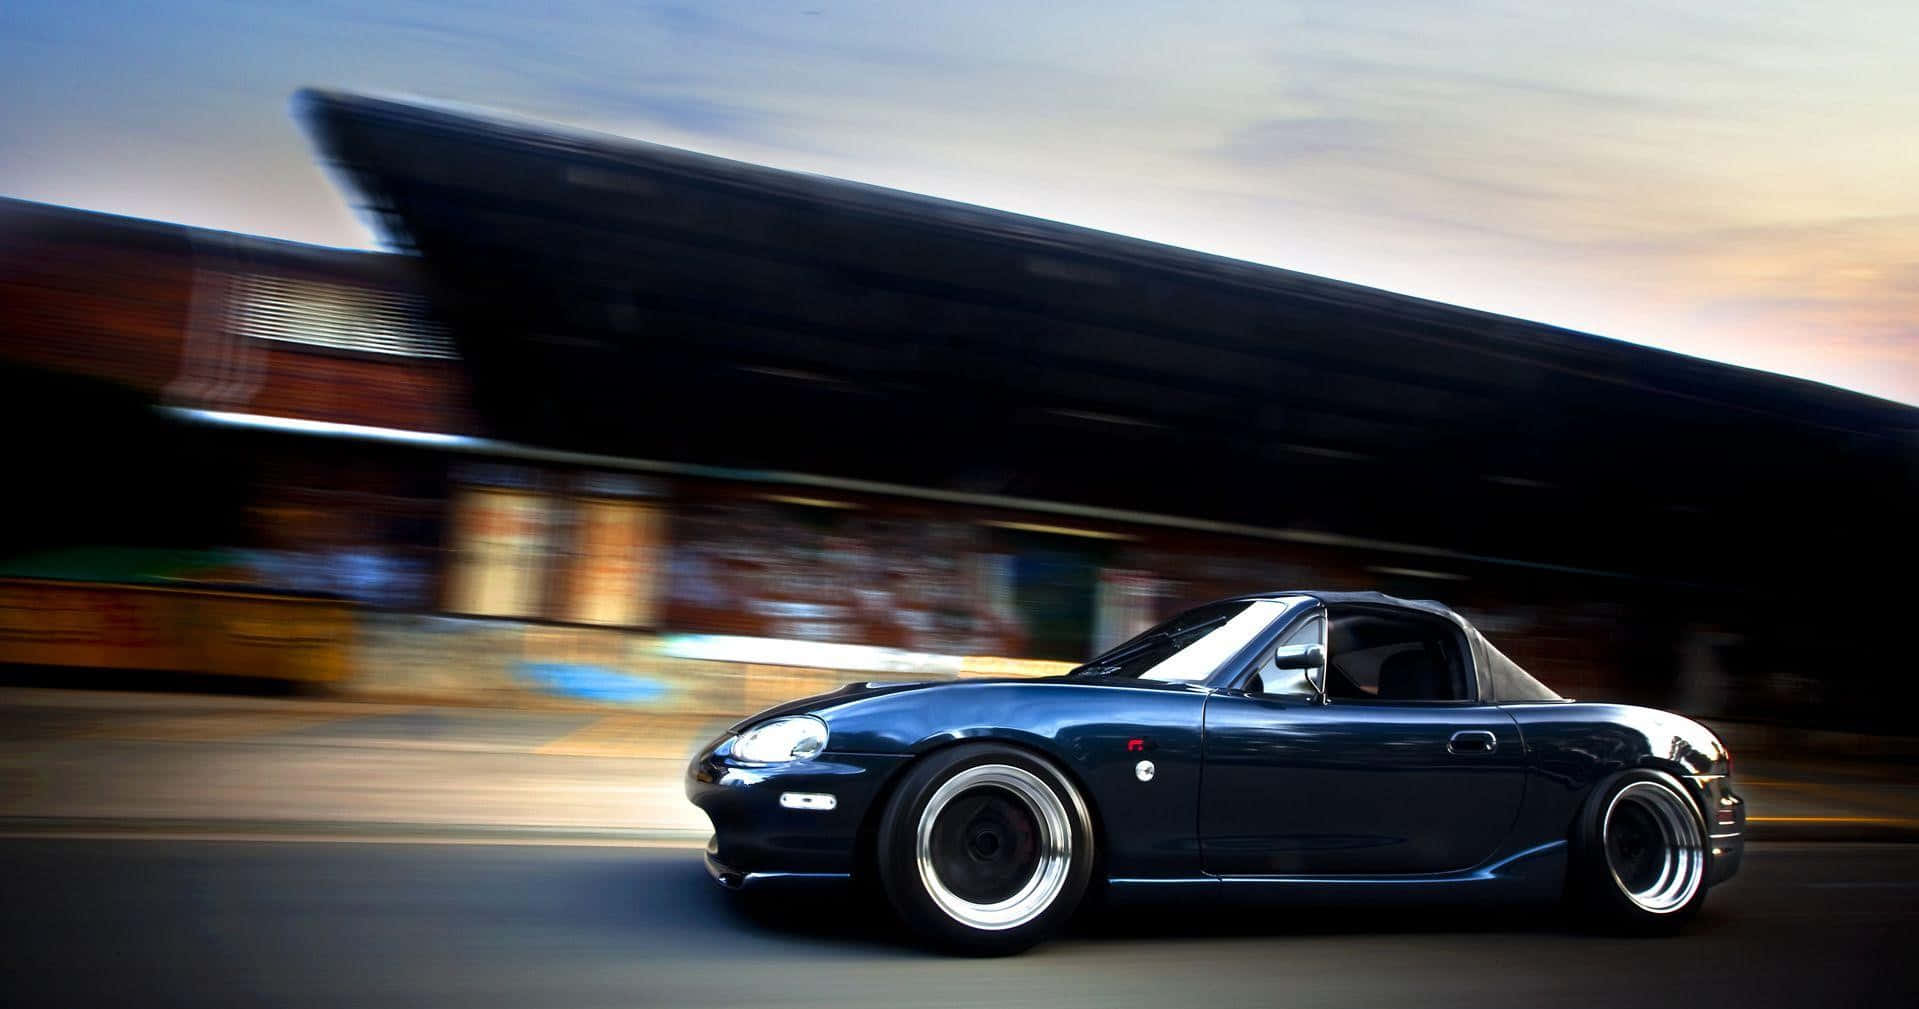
x=1323, y=746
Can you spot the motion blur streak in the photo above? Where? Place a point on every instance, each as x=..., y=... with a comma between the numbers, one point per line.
x=415, y=576
x=421, y=925
x=560, y=437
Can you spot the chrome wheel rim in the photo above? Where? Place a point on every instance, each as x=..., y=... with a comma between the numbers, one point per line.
x=994, y=847
x=1654, y=847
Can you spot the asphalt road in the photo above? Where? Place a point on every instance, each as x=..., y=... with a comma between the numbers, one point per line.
x=332, y=923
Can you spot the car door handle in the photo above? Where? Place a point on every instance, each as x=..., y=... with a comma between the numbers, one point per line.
x=1472, y=741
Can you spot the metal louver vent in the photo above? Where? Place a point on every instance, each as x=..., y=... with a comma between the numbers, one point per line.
x=336, y=316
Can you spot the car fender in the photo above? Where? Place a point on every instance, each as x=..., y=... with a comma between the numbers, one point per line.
x=1572, y=747
x=1097, y=733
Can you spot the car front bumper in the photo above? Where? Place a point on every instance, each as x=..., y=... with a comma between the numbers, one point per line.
x=1725, y=829
x=769, y=821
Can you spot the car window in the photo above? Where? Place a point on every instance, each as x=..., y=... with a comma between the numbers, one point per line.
x=1360, y=667
x=1209, y=615
x=1197, y=652
x=1389, y=657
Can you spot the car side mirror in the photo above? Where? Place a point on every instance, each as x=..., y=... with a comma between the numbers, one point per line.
x=1299, y=657
x=1311, y=658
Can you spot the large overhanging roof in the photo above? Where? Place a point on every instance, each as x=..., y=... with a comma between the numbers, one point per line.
x=617, y=296
x=388, y=146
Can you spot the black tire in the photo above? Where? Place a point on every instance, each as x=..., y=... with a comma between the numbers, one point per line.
x=1639, y=855
x=984, y=849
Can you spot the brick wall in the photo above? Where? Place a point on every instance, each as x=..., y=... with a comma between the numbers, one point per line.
x=151, y=307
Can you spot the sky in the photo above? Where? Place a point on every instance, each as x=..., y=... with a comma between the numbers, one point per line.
x=1733, y=181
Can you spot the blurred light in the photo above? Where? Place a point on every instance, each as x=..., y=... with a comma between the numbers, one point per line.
x=810, y=502
x=1327, y=453
x=994, y=665
x=795, y=374
x=324, y=428
x=1517, y=481
x=809, y=654
x=1443, y=576
x=1037, y=527
x=1106, y=418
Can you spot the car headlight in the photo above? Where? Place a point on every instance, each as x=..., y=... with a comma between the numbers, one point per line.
x=794, y=737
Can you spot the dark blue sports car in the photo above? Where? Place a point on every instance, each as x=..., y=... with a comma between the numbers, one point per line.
x=1291, y=745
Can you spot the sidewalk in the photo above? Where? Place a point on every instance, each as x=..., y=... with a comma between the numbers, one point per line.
x=73, y=761
x=102, y=762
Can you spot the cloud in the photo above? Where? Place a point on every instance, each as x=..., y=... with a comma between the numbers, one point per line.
x=1730, y=181
x=686, y=113
x=1271, y=140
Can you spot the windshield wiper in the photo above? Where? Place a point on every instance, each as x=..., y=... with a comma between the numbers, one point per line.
x=1112, y=662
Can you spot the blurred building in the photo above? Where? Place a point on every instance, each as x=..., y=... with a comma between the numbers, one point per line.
x=602, y=383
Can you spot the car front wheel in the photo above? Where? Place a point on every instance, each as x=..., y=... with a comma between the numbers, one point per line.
x=984, y=849
x=1639, y=854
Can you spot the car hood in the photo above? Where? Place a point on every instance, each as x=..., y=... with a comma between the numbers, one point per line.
x=858, y=691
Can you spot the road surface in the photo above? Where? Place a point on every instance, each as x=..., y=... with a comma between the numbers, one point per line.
x=332, y=922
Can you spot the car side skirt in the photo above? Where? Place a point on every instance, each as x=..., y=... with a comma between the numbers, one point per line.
x=1536, y=874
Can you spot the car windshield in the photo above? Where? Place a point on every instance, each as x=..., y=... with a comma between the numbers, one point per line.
x=1190, y=647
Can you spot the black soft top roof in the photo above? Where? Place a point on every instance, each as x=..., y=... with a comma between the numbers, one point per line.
x=1501, y=680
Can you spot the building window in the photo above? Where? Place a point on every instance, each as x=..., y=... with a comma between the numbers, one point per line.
x=499, y=552
x=616, y=550
x=345, y=317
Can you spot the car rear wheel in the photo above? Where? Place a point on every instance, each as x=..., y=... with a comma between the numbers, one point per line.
x=1639, y=855
x=984, y=849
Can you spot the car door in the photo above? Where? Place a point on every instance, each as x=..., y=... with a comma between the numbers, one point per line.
x=1354, y=785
